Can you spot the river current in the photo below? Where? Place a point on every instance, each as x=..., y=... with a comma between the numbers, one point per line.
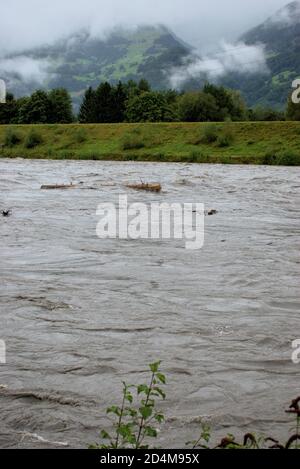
x=80, y=314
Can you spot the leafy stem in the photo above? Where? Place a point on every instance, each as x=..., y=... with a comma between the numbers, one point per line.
x=121, y=414
x=142, y=421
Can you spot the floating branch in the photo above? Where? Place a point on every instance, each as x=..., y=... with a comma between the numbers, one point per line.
x=156, y=187
x=58, y=186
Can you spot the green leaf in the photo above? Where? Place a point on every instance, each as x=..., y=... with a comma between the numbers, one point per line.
x=150, y=431
x=114, y=410
x=105, y=435
x=125, y=431
x=160, y=392
x=143, y=388
x=161, y=378
x=94, y=446
x=146, y=412
x=132, y=412
x=154, y=367
x=132, y=440
x=159, y=418
x=189, y=443
x=128, y=397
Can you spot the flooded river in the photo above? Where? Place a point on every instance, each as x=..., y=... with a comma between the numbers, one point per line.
x=79, y=315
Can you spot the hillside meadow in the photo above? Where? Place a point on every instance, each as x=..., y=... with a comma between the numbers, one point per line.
x=276, y=143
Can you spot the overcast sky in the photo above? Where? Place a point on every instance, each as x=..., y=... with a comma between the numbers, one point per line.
x=27, y=23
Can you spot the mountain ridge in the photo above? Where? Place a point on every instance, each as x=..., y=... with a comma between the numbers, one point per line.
x=82, y=60
x=153, y=52
x=280, y=35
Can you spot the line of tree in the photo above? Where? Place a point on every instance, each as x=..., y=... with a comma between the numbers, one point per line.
x=137, y=102
x=41, y=107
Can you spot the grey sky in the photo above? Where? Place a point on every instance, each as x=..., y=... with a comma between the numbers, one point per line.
x=27, y=23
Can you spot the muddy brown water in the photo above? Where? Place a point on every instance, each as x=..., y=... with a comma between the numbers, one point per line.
x=80, y=314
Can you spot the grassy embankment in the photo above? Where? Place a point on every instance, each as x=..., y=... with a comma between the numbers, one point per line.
x=229, y=143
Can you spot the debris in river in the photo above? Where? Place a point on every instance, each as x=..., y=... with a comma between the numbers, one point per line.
x=40, y=439
x=211, y=212
x=156, y=187
x=6, y=213
x=58, y=186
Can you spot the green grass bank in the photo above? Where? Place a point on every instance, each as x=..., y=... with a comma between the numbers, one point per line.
x=269, y=143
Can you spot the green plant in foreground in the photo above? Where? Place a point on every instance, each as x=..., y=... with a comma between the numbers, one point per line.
x=134, y=421
x=250, y=440
x=229, y=442
x=204, y=438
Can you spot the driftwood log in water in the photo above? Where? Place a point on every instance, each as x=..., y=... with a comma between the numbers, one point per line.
x=58, y=186
x=156, y=187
